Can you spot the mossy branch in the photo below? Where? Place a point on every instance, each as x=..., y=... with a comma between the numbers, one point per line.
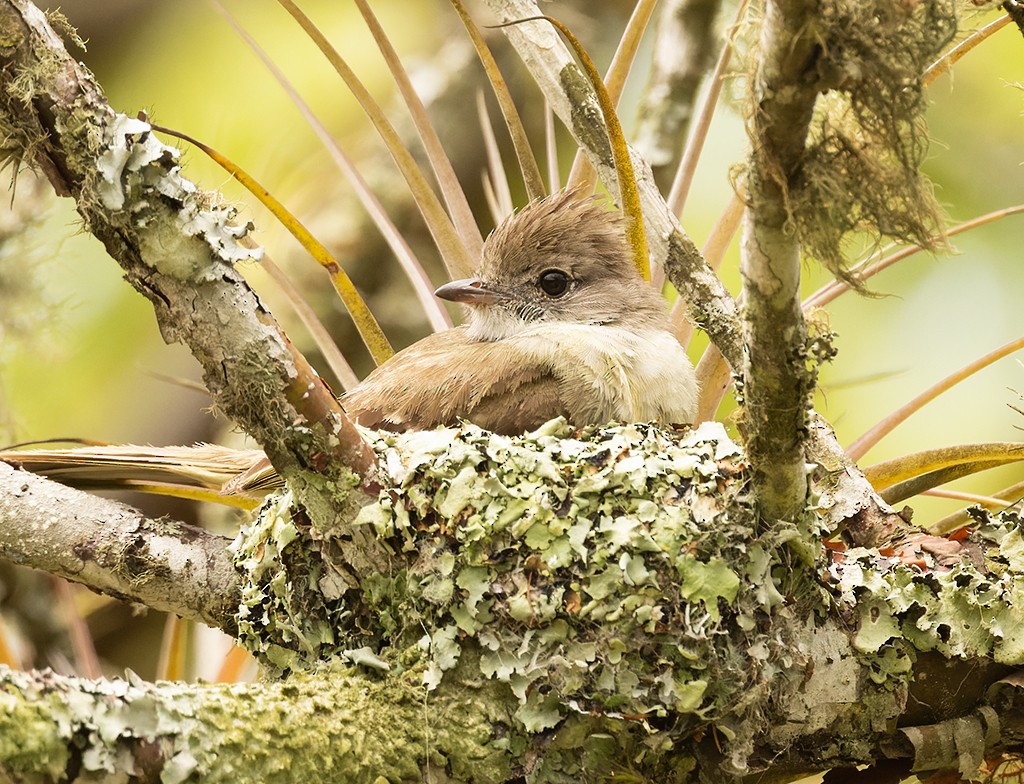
x=179, y=248
x=567, y=604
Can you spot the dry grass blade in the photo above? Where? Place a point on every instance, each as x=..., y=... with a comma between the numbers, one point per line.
x=1011, y=496
x=582, y=174
x=87, y=663
x=411, y=266
x=699, y=132
x=500, y=192
x=496, y=210
x=369, y=330
x=8, y=656
x=455, y=255
x=950, y=460
x=551, y=148
x=944, y=63
x=859, y=447
x=454, y=196
x=988, y=501
x=233, y=668
x=524, y=153
x=174, y=648
x=714, y=379
x=864, y=271
x=321, y=337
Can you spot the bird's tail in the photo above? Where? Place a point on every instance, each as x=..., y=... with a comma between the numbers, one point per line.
x=204, y=471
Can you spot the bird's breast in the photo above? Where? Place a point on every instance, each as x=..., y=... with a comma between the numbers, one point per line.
x=612, y=373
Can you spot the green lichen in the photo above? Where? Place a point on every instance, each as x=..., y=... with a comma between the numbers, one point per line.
x=134, y=167
x=967, y=610
x=593, y=571
x=587, y=120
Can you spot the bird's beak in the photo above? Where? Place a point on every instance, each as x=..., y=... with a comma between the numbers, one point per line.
x=471, y=291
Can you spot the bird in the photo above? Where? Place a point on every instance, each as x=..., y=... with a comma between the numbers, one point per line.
x=559, y=324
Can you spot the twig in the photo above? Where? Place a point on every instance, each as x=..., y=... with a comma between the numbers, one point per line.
x=776, y=381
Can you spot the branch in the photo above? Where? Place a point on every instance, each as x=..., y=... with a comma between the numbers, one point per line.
x=593, y=593
x=178, y=248
x=776, y=381
x=572, y=99
x=114, y=549
x=336, y=726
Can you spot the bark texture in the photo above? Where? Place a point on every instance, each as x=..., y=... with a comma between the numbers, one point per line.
x=178, y=247
x=114, y=549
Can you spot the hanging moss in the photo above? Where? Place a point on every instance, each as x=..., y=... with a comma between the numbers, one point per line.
x=859, y=173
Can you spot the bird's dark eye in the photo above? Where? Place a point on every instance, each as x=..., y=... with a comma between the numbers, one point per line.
x=553, y=282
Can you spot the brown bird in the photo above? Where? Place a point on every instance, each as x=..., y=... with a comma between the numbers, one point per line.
x=560, y=324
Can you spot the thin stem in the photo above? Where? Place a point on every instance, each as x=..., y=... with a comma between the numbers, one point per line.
x=699, y=130
x=944, y=63
x=859, y=447
x=411, y=266
x=454, y=253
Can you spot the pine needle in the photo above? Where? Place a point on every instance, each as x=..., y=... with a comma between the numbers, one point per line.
x=411, y=266
x=454, y=196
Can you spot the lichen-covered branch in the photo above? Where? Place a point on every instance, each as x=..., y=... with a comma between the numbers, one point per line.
x=335, y=726
x=776, y=380
x=114, y=549
x=837, y=137
x=565, y=604
x=572, y=99
x=178, y=248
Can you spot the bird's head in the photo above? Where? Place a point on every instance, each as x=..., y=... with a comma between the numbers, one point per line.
x=560, y=259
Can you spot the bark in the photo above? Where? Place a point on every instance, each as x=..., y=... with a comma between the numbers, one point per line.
x=114, y=549
x=683, y=52
x=776, y=380
x=178, y=247
x=563, y=606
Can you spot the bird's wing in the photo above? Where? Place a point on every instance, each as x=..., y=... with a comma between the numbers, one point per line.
x=447, y=376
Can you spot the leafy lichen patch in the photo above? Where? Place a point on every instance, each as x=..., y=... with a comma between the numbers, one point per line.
x=593, y=571
x=328, y=726
x=968, y=609
x=135, y=163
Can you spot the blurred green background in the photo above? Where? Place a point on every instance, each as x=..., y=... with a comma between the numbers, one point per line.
x=84, y=358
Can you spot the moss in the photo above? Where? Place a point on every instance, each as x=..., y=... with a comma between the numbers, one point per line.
x=28, y=749
x=330, y=726
x=859, y=173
